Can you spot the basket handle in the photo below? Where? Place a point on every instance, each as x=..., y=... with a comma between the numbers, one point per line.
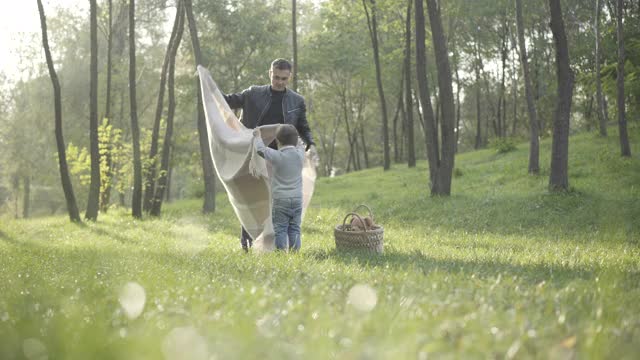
x=364, y=206
x=344, y=222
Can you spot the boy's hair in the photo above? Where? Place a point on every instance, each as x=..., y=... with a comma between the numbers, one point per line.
x=287, y=135
x=281, y=64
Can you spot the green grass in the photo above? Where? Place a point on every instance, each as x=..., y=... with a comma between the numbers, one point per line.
x=500, y=269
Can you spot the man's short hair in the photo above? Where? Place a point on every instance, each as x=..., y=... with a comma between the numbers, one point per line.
x=281, y=64
x=287, y=135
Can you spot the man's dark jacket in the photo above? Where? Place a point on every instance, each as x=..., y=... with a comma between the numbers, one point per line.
x=255, y=102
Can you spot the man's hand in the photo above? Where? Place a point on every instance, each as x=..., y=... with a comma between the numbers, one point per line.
x=313, y=152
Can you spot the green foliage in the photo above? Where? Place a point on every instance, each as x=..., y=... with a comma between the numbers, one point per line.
x=500, y=269
x=238, y=49
x=632, y=62
x=107, y=136
x=503, y=145
x=79, y=161
x=115, y=160
x=149, y=163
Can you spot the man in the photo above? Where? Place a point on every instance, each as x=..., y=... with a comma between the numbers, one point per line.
x=273, y=104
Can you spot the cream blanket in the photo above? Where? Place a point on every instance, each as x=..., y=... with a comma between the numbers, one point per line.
x=244, y=174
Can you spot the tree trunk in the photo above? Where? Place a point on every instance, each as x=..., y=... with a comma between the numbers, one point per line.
x=107, y=105
x=94, y=188
x=611, y=7
x=487, y=120
x=458, y=88
x=345, y=111
x=359, y=120
x=394, y=122
x=430, y=131
x=599, y=96
x=333, y=146
x=403, y=121
x=153, y=152
x=445, y=171
x=539, y=74
x=456, y=60
x=350, y=159
x=67, y=187
x=625, y=150
x=373, y=31
x=357, y=165
x=106, y=192
x=418, y=110
x=437, y=112
x=514, y=87
x=411, y=151
x=502, y=105
x=534, y=143
x=403, y=130
x=478, y=86
x=294, y=33
x=588, y=112
x=490, y=118
x=116, y=41
x=558, y=178
x=364, y=148
x=136, y=200
x=26, y=196
x=15, y=190
x=396, y=154
x=605, y=108
x=328, y=163
x=514, y=82
x=168, y=137
x=167, y=190
x=117, y=166
x=478, y=142
x=208, y=171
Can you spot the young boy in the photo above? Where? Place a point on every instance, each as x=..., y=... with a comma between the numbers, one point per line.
x=286, y=184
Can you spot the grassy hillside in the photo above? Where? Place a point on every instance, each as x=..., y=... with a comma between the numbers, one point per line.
x=500, y=269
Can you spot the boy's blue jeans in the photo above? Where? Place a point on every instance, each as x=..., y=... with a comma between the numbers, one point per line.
x=287, y=216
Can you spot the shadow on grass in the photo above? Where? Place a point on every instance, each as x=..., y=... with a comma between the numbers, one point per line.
x=102, y=231
x=5, y=237
x=571, y=215
x=238, y=266
x=417, y=261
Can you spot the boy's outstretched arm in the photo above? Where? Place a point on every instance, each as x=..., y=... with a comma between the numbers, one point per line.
x=258, y=144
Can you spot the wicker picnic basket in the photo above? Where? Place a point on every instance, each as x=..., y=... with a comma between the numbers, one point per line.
x=351, y=238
